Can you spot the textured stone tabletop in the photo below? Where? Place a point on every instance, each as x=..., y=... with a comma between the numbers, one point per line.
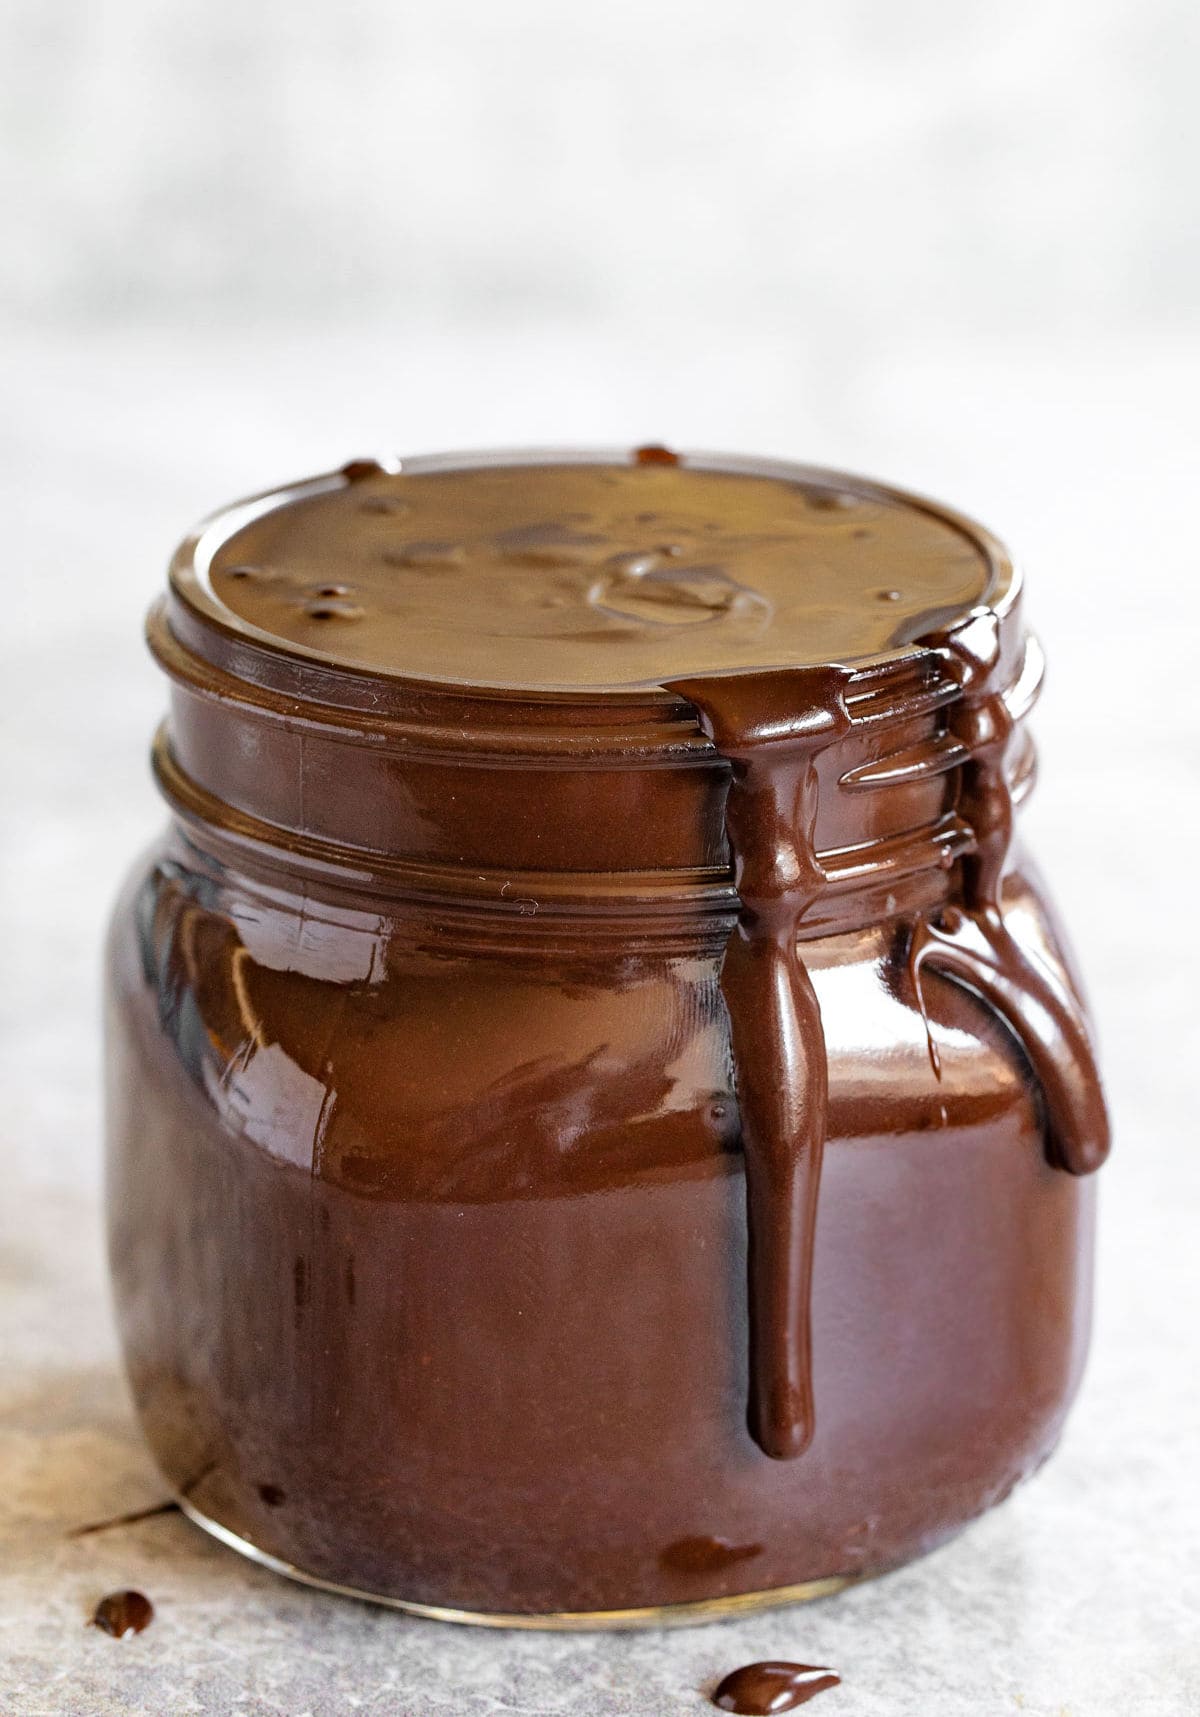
x=1080, y=1597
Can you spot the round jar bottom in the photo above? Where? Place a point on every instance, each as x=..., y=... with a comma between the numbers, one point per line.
x=690, y=1614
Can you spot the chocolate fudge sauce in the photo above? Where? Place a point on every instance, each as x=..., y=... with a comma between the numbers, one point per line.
x=122, y=1614
x=973, y=944
x=771, y=726
x=758, y=1689
x=592, y=576
x=589, y=985
x=704, y=1554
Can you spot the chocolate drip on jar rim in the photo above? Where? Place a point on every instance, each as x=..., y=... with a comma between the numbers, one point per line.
x=972, y=945
x=771, y=727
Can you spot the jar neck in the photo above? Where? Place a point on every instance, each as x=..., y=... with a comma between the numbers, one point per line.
x=551, y=810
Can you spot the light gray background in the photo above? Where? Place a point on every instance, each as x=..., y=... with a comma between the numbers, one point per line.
x=954, y=245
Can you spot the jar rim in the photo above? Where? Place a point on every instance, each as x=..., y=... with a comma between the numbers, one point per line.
x=208, y=628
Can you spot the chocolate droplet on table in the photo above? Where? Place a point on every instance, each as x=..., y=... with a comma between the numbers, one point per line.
x=757, y=1689
x=123, y=1613
x=655, y=455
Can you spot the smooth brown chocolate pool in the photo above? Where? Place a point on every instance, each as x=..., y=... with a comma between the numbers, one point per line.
x=594, y=576
x=590, y=1083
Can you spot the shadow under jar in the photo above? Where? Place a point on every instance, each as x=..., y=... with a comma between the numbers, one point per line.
x=599, y=1113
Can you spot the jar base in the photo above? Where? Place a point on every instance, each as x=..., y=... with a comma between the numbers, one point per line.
x=691, y=1614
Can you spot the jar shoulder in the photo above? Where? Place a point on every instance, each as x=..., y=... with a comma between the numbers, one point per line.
x=366, y=1048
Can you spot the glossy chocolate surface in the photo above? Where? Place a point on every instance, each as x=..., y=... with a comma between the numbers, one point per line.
x=120, y=1615
x=529, y=1113
x=596, y=575
x=759, y=1689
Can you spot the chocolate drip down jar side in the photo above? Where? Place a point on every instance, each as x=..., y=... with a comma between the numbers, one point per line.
x=600, y=1111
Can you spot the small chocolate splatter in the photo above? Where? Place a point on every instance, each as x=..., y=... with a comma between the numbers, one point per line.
x=705, y=1555
x=272, y=1495
x=121, y=1614
x=760, y=1689
x=655, y=455
x=130, y=1519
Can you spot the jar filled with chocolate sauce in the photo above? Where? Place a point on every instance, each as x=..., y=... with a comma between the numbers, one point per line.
x=600, y=1110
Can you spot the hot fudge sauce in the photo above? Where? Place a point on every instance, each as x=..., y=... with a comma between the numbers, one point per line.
x=122, y=1614
x=758, y=1689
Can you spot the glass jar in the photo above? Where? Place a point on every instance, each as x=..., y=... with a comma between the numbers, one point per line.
x=461, y=1173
